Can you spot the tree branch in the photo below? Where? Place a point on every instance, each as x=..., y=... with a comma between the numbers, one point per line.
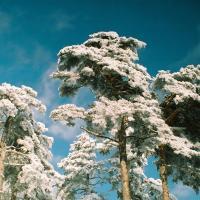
x=14, y=164
x=170, y=119
x=17, y=152
x=98, y=135
x=186, y=168
x=12, y=148
x=141, y=138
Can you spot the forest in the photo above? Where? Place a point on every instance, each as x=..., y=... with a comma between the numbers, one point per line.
x=134, y=116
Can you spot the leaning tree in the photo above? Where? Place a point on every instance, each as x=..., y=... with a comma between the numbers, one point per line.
x=24, y=151
x=179, y=97
x=125, y=119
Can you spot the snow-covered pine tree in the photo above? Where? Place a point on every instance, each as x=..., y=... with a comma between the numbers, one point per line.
x=24, y=154
x=179, y=97
x=124, y=119
x=81, y=170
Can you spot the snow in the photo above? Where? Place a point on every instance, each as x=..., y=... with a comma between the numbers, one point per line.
x=128, y=101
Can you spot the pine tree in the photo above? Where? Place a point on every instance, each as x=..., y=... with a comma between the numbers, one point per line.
x=24, y=154
x=179, y=97
x=81, y=170
x=125, y=118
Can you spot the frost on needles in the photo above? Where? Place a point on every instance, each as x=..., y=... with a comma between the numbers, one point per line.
x=179, y=97
x=134, y=116
x=24, y=151
x=82, y=171
x=127, y=120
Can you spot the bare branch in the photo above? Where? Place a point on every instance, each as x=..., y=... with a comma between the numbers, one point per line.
x=141, y=138
x=99, y=135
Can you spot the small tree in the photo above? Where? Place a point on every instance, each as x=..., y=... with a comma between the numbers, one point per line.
x=179, y=97
x=81, y=170
x=24, y=155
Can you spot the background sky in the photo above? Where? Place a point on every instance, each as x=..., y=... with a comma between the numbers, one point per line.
x=33, y=31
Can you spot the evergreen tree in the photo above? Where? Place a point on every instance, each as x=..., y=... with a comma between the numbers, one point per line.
x=24, y=151
x=81, y=170
x=179, y=97
x=125, y=119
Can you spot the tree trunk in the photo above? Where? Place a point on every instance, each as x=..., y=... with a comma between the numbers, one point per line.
x=126, y=195
x=14, y=194
x=163, y=173
x=2, y=158
x=88, y=190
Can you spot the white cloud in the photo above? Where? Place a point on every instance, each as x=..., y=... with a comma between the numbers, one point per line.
x=49, y=95
x=56, y=159
x=48, y=88
x=62, y=131
x=182, y=192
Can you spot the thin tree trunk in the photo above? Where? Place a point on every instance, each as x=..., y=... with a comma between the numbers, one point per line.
x=14, y=194
x=126, y=195
x=2, y=158
x=88, y=184
x=163, y=173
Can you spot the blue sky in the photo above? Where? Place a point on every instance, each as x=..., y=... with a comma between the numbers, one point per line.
x=33, y=31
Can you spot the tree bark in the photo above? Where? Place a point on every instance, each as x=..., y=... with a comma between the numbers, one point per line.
x=2, y=158
x=126, y=194
x=14, y=194
x=88, y=184
x=163, y=173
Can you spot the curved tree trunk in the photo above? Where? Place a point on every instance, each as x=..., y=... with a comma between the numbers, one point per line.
x=163, y=173
x=126, y=194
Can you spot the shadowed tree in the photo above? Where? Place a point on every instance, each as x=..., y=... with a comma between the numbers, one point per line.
x=24, y=154
x=179, y=97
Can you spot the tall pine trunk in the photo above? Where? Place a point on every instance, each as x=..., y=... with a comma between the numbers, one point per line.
x=163, y=173
x=126, y=194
